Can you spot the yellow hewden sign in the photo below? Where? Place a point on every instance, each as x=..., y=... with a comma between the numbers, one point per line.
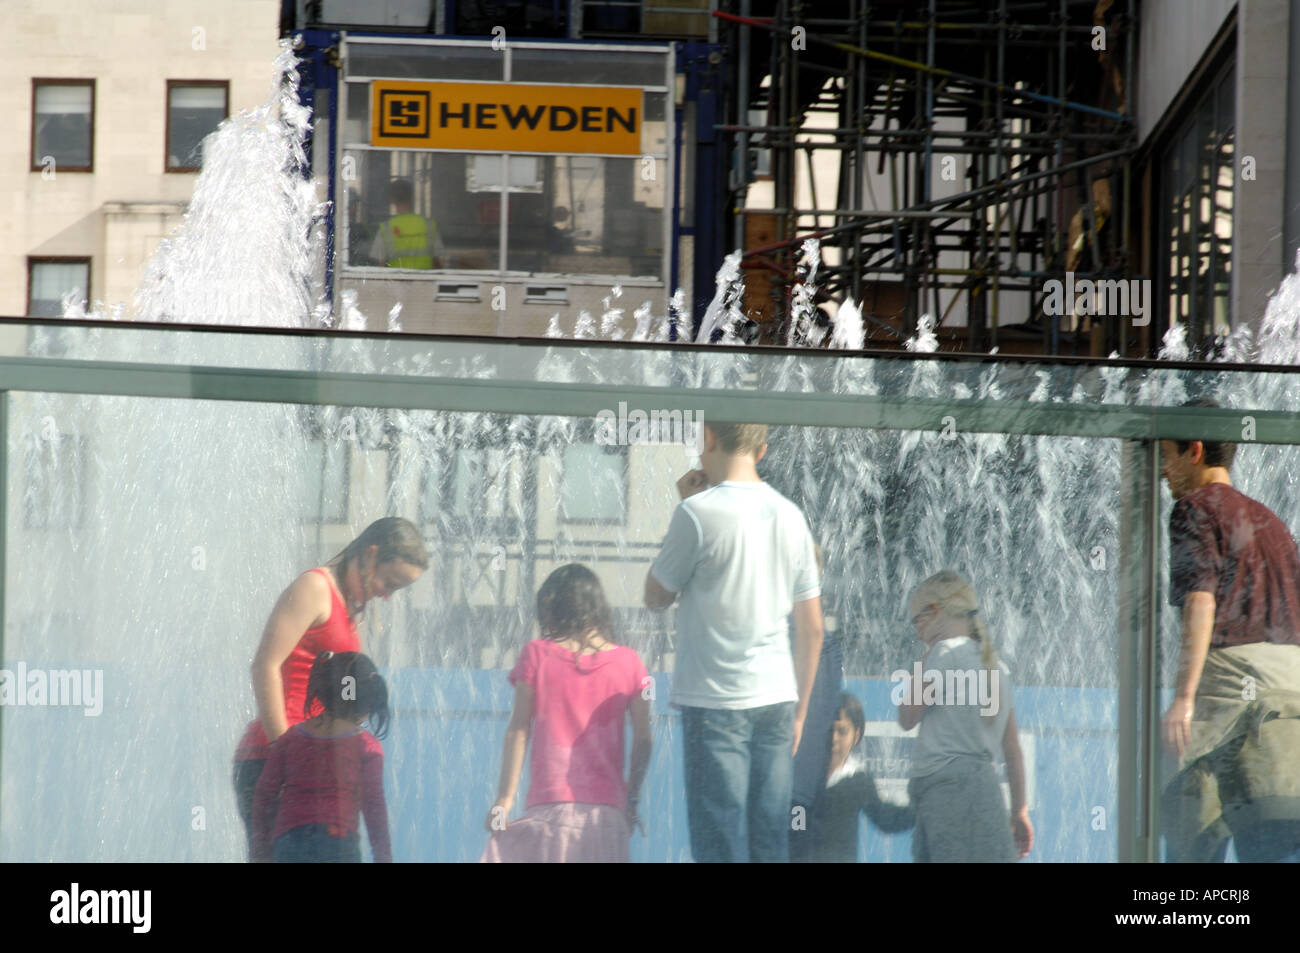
x=505, y=117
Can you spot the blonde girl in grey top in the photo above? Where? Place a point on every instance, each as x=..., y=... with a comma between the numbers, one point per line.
x=960, y=694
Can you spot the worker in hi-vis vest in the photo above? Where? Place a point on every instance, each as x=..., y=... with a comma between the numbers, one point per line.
x=407, y=240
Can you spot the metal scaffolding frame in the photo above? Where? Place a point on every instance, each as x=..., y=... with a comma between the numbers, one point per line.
x=1019, y=90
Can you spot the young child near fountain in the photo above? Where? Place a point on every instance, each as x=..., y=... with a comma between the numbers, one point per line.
x=315, y=614
x=326, y=771
x=832, y=832
x=574, y=691
x=964, y=707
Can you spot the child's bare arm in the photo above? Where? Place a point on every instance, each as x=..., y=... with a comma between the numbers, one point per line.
x=513, y=750
x=374, y=807
x=909, y=714
x=639, y=712
x=1015, y=758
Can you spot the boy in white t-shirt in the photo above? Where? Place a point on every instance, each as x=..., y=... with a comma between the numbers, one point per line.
x=741, y=558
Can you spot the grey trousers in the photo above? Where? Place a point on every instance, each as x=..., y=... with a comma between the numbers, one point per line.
x=961, y=816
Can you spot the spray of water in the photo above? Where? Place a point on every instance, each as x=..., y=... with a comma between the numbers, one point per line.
x=203, y=511
x=158, y=532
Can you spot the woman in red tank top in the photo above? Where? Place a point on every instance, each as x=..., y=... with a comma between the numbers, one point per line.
x=317, y=614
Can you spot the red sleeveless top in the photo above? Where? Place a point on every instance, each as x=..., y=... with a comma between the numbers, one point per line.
x=336, y=634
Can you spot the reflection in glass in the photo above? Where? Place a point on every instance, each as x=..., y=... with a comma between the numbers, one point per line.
x=192, y=113
x=1197, y=216
x=63, y=124
x=589, y=67
x=463, y=212
x=593, y=215
x=52, y=281
x=595, y=484
x=422, y=61
x=197, y=507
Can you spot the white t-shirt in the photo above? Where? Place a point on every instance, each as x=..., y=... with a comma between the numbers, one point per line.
x=741, y=555
x=955, y=728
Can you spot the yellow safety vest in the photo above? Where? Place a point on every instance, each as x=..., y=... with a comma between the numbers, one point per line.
x=410, y=241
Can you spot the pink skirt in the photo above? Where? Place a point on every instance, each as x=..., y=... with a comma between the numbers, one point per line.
x=564, y=833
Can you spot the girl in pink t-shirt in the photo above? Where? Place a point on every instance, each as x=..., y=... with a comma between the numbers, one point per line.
x=574, y=690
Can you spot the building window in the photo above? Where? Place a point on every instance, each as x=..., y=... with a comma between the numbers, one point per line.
x=194, y=109
x=615, y=17
x=537, y=211
x=1196, y=218
x=63, y=125
x=590, y=215
x=478, y=494
x=535, y=18
x=51, y=280
x=594, y=488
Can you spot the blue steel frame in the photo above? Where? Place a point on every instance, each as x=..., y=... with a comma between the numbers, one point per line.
x=318, y=70
x=702, y=66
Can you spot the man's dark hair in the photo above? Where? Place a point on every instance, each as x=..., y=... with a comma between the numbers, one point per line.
x=1218, y=453
x=401, y=192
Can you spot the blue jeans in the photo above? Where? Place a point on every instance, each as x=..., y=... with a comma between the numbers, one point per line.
x=313, y=844
x=739, y=774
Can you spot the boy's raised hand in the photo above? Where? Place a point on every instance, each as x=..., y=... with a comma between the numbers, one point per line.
x=692, y=482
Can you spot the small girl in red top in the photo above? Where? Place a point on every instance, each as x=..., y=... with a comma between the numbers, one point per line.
x=325, y=771
x=315, y=614
x=574, y=691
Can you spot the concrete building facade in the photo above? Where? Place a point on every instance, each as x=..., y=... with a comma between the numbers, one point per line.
x=98, y=101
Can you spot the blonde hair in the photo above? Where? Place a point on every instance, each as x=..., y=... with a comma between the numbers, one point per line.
x=951, y=594
x=739, y=438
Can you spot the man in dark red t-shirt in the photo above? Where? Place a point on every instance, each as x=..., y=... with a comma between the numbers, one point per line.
x=1234, y=570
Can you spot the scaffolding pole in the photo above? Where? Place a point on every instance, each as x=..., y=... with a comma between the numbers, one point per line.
x=967, y=142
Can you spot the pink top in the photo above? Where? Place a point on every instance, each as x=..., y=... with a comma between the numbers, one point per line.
x=579, y=710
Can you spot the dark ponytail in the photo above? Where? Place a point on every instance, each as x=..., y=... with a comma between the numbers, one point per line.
x=363, y=698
